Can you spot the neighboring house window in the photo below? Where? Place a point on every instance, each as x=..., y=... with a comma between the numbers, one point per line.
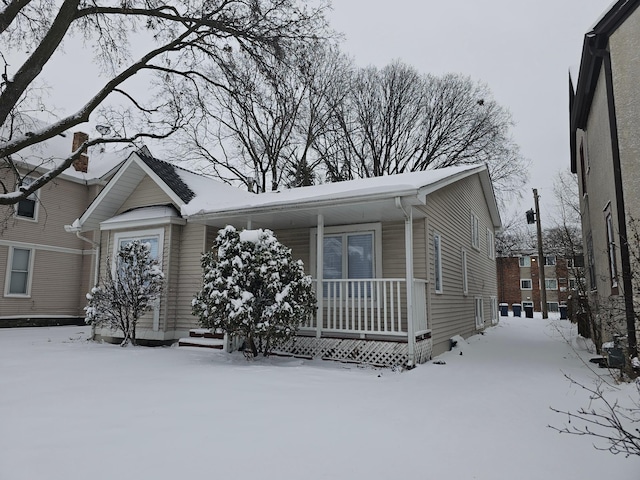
x=465, y=278
x=491, y=248
x=550, y=260
x=19, y=272
x=494, y=310
x=475, y=231
x=552, y=306
x=551, y=284
x=479, y=312
x=437, y=262
x=573, y=284
x=525, y=261
x=525, y=284
x=570, y=263
x=611, y=246
x=527, y=304
x=28, y=207
x=591, y=268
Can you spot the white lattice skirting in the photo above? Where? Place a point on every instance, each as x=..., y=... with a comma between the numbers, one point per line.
x=370, y=352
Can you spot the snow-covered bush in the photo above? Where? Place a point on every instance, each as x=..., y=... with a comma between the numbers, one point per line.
x=252, y=288
x=127, y=292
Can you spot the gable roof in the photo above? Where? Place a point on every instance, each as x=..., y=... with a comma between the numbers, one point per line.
x=378, y=193
x=181, y=187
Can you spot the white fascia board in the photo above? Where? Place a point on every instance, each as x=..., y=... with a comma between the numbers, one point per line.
x=147, y=222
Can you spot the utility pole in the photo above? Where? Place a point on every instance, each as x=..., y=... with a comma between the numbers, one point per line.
x=541, y=262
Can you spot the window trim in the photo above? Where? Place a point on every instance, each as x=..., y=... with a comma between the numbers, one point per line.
x=526, y=280
x=34, y=197
x=479, y=312
x=465, y=273
x=376, y=228
x=491, y=247
x=9, y=272
x=475, y=231
x=437, y=267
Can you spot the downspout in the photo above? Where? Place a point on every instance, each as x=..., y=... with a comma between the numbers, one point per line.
x=96, y=267
x=408, y=255
x=622, y=225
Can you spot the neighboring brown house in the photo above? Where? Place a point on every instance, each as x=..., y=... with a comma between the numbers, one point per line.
x=519, y=280
x=605, y=155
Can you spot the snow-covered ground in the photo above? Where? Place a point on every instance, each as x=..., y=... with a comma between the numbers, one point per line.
x=72, y=409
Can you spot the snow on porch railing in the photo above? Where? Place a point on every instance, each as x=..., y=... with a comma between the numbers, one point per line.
x=374, y=305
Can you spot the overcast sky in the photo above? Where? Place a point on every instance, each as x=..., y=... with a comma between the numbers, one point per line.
x=521, y=49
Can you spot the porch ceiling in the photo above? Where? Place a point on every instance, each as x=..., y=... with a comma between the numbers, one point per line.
x=295, y=216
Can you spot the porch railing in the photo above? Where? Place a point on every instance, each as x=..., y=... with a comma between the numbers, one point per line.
x=370, y=306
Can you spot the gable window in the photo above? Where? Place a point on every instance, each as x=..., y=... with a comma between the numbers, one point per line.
x=475, y=231
x=491, y=248
x=551, y=284
x=19, y=272
x=479, y=312
x=611, y=248
x=525, y=261
x=549, y=260
x=27, y=208
x=437, y=262
x=465, y=279
x=525, y=284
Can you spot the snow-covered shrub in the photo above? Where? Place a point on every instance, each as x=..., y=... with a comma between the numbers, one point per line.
x=127, y=292
x=252, y=288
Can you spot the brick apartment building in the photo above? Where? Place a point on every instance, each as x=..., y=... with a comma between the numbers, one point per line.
x=519, y=280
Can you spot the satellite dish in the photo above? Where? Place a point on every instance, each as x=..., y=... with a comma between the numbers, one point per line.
x=103, y=129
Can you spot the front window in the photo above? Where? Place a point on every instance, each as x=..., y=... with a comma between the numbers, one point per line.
x=153, y=238
x=349, y=256
x=525, y=261
x=19, y=272
x=525, y=284
x=27, y=208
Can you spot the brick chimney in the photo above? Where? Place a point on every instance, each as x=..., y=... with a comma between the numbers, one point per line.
x=82, y=162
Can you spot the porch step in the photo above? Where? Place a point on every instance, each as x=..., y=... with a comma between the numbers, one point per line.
x=203, y=342
x=203, y=337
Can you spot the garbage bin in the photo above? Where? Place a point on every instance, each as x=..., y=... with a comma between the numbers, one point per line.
x=517, y=309
x=528, y=311
x=504, y=309
x=563, y=312
x=614, y=355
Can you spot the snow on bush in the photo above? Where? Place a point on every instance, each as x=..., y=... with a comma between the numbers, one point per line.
x=127, y=292
x=252, y=288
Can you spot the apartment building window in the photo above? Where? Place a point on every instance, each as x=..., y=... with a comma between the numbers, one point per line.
x=437, y=262
x=549, y=260
x=551, y=284
x=525, y=284
x=611, y=245
x=525, y=261
x=552, y=306
x=475, y=231
x=28, y=207
x=19, y=272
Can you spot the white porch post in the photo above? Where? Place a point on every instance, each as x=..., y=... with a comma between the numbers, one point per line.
x=319, y=272
x=249, y=225
x=408, y=247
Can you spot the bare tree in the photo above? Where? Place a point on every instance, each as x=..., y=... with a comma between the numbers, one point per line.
x=188, y=40
x=396, y=120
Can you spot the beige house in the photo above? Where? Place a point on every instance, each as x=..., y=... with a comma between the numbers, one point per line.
x=44, y=271
x=605, y=153
x=402, y=263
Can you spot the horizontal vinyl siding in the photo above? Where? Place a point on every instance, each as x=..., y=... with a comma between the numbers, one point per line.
x=393, y=256
x=55, y=282
x=298, y=241
x=146, y=193
x=190, y=273
x=449, y=214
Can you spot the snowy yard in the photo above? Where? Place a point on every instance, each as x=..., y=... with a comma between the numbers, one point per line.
x=72, y=409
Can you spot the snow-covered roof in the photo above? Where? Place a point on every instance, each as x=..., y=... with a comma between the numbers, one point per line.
x=49, y=154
